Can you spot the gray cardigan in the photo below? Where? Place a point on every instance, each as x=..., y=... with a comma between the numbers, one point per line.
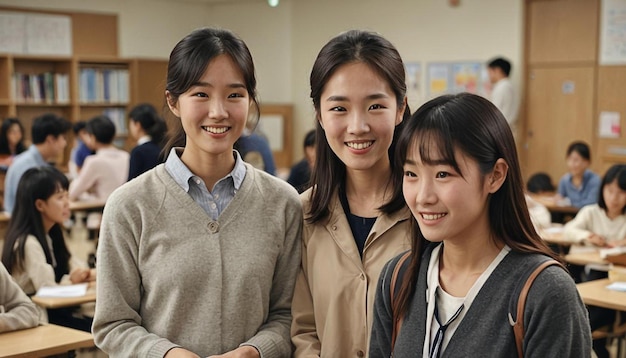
x=555, y=319
x=168, y=275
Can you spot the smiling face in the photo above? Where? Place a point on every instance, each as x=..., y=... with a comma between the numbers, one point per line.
x=446, y=205
x=214, y=110
x=577, y=164
x=359, y=112
x=14, y=134
x=55, y=209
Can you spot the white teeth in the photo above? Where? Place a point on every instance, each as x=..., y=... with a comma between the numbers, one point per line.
x=432, y=216
x=215, y=130
x=361, y=145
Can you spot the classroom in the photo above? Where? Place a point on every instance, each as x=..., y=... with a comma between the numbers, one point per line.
x=568, y=72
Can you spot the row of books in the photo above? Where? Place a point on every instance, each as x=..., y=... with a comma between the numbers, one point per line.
x=118, y=117
x=47, y=87
x=103, y=85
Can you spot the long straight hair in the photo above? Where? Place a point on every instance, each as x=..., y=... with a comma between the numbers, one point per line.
x=474, y=126
x=382, y=57
x=36, y=184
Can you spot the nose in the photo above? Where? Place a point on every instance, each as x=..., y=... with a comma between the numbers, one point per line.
x=358, y=123
x=217, y=110
x=424, y=192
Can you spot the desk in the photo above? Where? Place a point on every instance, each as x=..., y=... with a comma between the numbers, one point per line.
x=550, y=203
x=87, y=205
x=58, y=302
x=43, y=341
x=595, y=293
x=554, y=237
x=585, y=258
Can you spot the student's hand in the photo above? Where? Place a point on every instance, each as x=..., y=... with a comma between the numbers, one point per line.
x=597, y=240
x=180, y=353
x=241, y=352
x=617, y=243
x=79, y=275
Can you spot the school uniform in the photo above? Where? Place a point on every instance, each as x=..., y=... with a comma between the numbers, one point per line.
x=335, y=289
x=586, y=194
x=145, y=156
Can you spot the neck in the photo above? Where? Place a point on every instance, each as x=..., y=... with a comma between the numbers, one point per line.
x=45, y=152
x=471, y=256
x=367, y=190
x=613, y=214
x=211, y=168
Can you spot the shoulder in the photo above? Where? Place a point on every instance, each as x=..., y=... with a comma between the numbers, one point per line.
x=270, y=186
x=143, y=188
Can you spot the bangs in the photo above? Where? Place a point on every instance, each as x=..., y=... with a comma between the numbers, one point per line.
x=433, y=140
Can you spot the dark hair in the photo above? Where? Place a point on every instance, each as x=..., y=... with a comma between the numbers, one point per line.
x=146, y=115
x=615, y=173
x=354, y=46
x=36, y=183
x=581, y=148
x=502, y=64
x=190, y=58
x=79, y=126
x=102, y=128
x=539, y=182
x=48, y=124
x=309, y=139
x=474, y=126
x=4, y=141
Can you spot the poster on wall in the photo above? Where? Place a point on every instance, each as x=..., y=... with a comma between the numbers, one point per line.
x=413, y=83
x=438, y=79
x=466, y=77
x=12, y=32
x=35, y=34
x=613, y=32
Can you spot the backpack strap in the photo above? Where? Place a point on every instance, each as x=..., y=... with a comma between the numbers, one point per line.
x=397, y=319
x=518, y=325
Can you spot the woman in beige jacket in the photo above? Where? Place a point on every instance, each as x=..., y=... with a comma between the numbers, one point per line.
x=352, y=227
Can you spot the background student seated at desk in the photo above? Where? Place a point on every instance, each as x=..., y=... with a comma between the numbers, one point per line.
x=11, y=140
x=149, y=129
x=601, y=225
x=34, y=247
x=580, y=185
x=17, y=311
x=104, y=171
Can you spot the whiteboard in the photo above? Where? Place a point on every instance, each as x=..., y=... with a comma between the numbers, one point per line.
x=613, y=32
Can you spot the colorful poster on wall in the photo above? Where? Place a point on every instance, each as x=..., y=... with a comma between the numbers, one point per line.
x=466, y=77
x=438, y=79
x=613, y=32
x=413, y=83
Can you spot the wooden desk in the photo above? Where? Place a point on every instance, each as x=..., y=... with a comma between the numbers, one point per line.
x=43, y=341
x=595, y=293
x=87, y=205
x=554, y=238
x=550, y=203
x=585, y=258
x=58, y=302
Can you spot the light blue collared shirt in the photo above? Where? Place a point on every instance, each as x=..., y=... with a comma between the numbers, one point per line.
x=24, y=161
x=588, y=192
x=215, y=201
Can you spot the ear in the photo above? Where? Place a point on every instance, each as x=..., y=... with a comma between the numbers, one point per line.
x=39, y=204
x=172, y=104
x=497, y=177
x=318, y=117
x=400, y=114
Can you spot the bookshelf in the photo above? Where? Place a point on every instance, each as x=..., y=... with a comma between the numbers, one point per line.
x=90, y=82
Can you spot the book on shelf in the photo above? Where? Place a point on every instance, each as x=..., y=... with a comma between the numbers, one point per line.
x=118, y=117
x=103, y=85
x=40, y=88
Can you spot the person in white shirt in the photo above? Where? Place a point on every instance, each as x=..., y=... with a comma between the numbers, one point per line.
x=503, y=94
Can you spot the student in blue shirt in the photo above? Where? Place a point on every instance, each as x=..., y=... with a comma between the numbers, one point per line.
x=581, y=186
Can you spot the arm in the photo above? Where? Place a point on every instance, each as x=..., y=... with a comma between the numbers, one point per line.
x=38, y=270
x=556, y=320
x=84, y=181
x=380, y=338
x=19, y=312
x=272, y=339
x=117, y=322
x=10, y=187
x=303, y=330
x=578, y=229
x=561, y=188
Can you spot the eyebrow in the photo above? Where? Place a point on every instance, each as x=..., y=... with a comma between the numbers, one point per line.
x=344, y=98
x=428, y=162
x=207, y=84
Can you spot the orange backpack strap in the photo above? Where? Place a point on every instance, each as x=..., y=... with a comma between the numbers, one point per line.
x=518, y=326
x=397, y=320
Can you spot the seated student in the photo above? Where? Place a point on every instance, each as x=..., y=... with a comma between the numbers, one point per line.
x=17, y=311
x=104, y=171
x=34, y=247
x=149, y=129
x=80, y=150
x=602, y=225
x=11, y=140
x=300, y=174
x=255, y=149
x=540, y=183
x=48, y=137
x=580, y=185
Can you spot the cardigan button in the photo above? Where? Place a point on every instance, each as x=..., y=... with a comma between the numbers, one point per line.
x=334, y=227
x=360, y=353
x=213, y=227
x=362, y=276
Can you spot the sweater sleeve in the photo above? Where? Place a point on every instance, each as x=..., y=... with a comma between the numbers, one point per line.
x=577, y=229
x=84, y=181
x=117, y=325
x=380, y=338
x=555, y=319
x=273, y=339
x=40, y=272
x=19, y=312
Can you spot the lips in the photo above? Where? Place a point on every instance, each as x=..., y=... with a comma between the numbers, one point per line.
x=215, y=130
x=433, y=216
x=360, y=145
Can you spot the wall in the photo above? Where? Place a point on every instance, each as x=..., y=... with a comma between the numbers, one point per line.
x=285, y=40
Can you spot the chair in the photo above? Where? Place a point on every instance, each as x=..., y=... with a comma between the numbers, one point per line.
x=615, y=331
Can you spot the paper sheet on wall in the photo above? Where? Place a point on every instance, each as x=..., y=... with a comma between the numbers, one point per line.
x=610, y=126
x=613, y=32
x=49, y=35
x=273, y=127
x=12, y=32
x=413, y=83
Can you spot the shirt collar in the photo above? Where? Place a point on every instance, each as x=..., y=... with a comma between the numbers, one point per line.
x=144, y=139
x=181, y=174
